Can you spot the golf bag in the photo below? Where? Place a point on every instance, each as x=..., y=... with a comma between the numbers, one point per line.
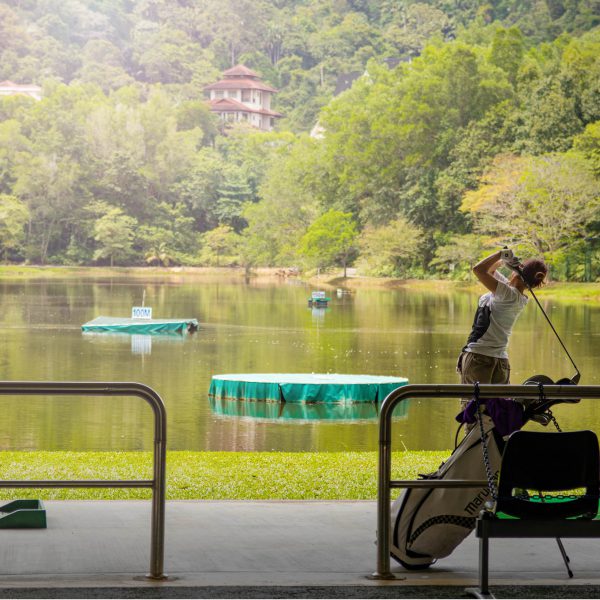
x=429, y=523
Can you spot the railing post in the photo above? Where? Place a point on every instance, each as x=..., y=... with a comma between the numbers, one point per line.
x=157, y=534
x=158, y=482
x=383, y=489
x=157, y=551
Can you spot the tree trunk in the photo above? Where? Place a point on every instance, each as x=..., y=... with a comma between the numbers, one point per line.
x=46, y=243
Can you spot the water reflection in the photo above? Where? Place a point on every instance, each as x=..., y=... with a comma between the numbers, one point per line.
x=318, y=313
x=287, y=411
x=139, y=343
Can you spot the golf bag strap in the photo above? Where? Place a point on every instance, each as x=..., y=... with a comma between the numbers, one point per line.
x=484, y=446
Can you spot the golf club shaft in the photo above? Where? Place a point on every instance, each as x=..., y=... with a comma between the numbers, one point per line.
x=578, y=374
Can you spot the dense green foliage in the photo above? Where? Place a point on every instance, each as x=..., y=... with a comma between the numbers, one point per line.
x=473, y=125
x=217, y=475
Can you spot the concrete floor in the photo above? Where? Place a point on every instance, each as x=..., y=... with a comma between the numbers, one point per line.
x=297, y=547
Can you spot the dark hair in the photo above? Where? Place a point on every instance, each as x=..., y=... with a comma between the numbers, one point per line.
x=534, y=272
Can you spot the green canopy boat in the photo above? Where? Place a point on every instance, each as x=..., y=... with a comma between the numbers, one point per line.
x=146, y=326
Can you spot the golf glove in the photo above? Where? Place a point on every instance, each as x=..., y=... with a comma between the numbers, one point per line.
x=509, y=259
x=506, y=254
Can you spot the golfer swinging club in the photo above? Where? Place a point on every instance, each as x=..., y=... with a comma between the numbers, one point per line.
x=485, y=358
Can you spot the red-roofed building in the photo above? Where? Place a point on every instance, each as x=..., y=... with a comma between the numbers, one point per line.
x=9, y=88
x=241, y=97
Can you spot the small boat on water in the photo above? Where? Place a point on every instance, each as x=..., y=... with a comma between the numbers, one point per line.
x=318, y=299
x=141, y=321
x=147, y=326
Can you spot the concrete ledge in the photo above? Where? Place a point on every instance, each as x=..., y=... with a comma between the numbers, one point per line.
x=266, y=549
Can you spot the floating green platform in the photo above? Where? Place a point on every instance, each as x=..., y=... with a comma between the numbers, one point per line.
x=147, y=326
x=304, y=387
x=23, y=514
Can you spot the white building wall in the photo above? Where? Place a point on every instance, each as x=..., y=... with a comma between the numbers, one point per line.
x=257, y=100
x=32, y=91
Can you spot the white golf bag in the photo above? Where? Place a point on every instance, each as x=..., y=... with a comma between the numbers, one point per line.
x=429, y=523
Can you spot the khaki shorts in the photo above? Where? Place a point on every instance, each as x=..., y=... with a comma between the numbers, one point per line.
x=484, y=369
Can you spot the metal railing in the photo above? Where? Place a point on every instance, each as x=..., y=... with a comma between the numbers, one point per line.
x=158, y=481
x=385, y=483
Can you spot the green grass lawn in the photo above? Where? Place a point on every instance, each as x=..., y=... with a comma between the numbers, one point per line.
x=216, y=475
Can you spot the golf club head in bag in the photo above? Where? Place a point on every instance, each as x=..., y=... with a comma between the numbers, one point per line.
x=535, y=408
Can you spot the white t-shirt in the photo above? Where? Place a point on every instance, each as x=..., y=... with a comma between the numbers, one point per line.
x=505, y=305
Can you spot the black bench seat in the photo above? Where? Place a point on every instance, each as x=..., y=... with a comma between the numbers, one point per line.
x=549, y=462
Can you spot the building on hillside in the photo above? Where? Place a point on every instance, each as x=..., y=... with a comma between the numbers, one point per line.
x=9, y=88
x=241, y=97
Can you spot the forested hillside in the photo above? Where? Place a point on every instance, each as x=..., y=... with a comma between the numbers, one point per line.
x=472, y=124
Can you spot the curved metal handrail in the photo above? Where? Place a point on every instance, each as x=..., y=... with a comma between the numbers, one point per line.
x=158, y=481
x=385, y=482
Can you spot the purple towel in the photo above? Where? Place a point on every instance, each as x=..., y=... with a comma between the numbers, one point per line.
x=505, y=412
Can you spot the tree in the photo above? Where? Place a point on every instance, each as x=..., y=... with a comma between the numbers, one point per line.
x=159, y=254
x=391, y=249
x=558, y=94
x=507, y=51
x=542, y=204
x=171, y=240
x=275, y=226
x=232, y=194
x=287, y=207
x=12, y=143
x=114, y=232
x=13, y=218
x=415, y=25
x=49, y=186
x=220, y=247
x=195, y=113
x=551, y=119
x=330, y=239
x=588, y=143
x=457, y=256
x=103, y=65
x=198, y=188
x=387, y=138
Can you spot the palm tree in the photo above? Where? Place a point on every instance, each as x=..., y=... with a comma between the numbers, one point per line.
x=159, y=254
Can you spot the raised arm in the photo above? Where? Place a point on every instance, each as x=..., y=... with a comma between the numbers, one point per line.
x=485, y=269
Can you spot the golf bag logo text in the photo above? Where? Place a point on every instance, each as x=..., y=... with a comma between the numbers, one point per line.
x=474, y=505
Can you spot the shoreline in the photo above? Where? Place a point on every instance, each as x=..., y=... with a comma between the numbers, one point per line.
x=559, y=291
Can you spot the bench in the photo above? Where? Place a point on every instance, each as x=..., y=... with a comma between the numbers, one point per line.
x=550, y=462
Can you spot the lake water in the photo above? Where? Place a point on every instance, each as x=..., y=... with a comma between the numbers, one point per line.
x=256, y=328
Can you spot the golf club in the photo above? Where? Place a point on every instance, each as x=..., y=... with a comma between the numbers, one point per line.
x=518, y=268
